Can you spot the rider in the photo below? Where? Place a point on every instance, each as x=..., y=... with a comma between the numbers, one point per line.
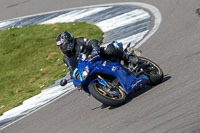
x=72, y=47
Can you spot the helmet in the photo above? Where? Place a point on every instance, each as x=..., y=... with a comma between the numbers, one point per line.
x=65, y=41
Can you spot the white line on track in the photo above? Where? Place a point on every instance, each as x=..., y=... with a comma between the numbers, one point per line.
x=5, y=23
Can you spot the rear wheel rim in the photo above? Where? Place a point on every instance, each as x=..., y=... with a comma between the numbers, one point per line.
x=156, y=71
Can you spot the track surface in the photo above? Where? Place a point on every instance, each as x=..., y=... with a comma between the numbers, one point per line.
x=173, y=106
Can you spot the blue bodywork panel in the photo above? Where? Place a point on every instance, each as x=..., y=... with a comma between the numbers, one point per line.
x=101, y=65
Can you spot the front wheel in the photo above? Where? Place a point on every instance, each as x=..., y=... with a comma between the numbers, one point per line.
x=114, y=96
x=153, y=71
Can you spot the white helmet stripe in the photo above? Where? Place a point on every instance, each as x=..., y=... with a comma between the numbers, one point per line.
x=59, y=43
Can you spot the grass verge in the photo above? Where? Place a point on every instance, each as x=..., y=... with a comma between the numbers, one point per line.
x=31, y=61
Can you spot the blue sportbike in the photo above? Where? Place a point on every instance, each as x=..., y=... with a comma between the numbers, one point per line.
x=111, y=81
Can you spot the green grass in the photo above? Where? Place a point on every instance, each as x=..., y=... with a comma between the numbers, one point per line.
x=31, y=61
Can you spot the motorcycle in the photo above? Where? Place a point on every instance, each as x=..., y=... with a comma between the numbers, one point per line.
x=110, y=82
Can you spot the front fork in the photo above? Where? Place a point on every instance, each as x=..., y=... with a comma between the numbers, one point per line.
x=100, y=77
x=114, y=83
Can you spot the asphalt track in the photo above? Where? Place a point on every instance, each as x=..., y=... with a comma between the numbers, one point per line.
x=173, y=106
x=118, y=21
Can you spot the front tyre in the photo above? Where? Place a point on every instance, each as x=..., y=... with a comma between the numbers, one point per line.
x=153, y=71
x=109, y=96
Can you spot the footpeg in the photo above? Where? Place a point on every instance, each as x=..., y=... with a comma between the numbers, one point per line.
x=138, y=73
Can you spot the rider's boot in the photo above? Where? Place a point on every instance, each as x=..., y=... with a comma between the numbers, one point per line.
x=130, y=58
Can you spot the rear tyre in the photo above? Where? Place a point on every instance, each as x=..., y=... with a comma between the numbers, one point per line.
x=112, y=97
x=153, y=71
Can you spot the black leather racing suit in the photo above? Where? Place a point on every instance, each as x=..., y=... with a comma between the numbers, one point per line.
x=83, y=45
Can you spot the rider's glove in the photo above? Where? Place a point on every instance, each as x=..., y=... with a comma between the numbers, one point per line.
x=95, y=51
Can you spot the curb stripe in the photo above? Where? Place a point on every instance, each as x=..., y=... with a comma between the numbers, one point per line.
x=106, y=14
x=74, y=15
x=137, y=37
x=124, y=19
x=33, y=103
x=127, y=30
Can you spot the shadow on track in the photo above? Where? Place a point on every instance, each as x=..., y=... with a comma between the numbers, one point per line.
x=133, y=95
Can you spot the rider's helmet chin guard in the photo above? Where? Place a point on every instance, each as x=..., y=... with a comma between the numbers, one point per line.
x=65, y=41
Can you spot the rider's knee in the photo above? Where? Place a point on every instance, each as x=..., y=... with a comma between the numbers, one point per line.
x=94, y=43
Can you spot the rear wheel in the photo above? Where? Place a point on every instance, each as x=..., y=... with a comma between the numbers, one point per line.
x=114, y=96
x=153, y=71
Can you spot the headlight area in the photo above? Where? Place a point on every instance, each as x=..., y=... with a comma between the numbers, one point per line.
x=85, y=72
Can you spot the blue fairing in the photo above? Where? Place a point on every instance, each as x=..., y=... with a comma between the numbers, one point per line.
x=100, y=65
x=75, y=81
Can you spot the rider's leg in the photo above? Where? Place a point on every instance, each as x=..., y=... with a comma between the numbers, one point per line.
x=112, y=51
x=71, y=63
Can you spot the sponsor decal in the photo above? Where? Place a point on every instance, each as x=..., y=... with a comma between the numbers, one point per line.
x=135, y=84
